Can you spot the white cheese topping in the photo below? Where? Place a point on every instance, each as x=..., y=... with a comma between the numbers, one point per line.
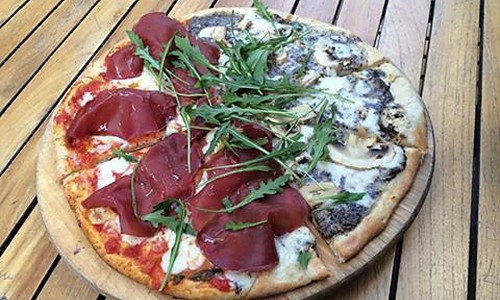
x=109, y=171
x=132, y=240
x=86, y=98
x=289, y=247
x=240, y=281
x=145, y=81
x=351, y=180
x=189, y=255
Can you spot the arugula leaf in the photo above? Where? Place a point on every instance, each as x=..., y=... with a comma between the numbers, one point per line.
x=185, y=120
x=226, y=202
x=179, y=227
x=323, y=135
x=242, y=225
x=220, y=134
x=283, y=153
x=218, y=114
x=343, y=197
x=192, y=52
x=257, y=61
x=124, y=155
x=258, y=168
x=302, y=70
x=262, y=10
x=304, y=258
x=270, y=187
x=157, y=217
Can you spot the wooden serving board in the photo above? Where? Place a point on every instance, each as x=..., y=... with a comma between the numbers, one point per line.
x=74, y=247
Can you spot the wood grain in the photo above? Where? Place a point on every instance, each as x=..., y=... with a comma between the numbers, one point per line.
x=403, y=36
x=233, y=3
x=282, y=5
x=355, y=14
x=63, y=284
x=488, y=254
x=8, y=7
x=36, y=99
x=184, y=7
x=18, y=185
x=26, y=260
x=311, y=9
x=435, y=249
x=22, y=24
x=39, y=46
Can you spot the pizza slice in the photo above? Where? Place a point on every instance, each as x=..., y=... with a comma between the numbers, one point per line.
x=265, y=250
x=121, y=102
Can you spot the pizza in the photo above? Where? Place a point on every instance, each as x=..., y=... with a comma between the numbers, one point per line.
x=206, y=157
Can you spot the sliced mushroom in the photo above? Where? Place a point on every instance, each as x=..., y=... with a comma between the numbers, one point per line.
x=323, y=56
x=219, y=34
x=282, y=57
x=361, y=153
x=309, y=78
x=315, y=194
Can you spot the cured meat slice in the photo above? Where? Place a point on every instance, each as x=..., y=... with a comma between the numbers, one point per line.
x=162, y=173
x=125, y=113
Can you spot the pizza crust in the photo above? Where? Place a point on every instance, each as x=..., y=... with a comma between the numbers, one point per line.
x=345, y=246
x=266, y=284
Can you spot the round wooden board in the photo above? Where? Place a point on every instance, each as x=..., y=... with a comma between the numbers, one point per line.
x=73, y=245
x=75, y=248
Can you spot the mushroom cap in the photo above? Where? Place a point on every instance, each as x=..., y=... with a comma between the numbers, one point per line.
x=361, y=152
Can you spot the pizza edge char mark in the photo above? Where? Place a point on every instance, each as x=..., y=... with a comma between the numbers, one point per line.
x=215, y=282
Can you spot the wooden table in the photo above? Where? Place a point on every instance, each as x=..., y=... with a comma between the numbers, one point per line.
x=449, y=49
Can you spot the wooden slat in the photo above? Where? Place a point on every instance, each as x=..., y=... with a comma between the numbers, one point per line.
x=488, y=255
x=233, y=3
x=435, y=250
x=64, y=284
x=324, y=12
x=184, y=7
x=22, y=23
x=403, y=34
x=355, y=14
x=39, y=95
x=18, y=185
x=8, y=7
x=25, y=61
x=282, y=5
x=26, y=260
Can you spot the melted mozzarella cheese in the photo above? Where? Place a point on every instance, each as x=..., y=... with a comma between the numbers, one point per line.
x=351, y=180
x=289, y=247
x=108, y=171
x=189, y=255
x=86, y=98
x=145, y=81
x=240, y=281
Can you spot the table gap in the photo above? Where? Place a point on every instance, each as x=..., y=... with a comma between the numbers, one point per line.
x=337, y=12
x=399, y=248
x=13, y=13
x=476, y=164
x=7, y=57
x=46, y=277
x=5, y=244
x=380, y=24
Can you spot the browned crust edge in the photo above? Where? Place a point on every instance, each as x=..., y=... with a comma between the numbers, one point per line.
x=266, y=285
x=348, y=245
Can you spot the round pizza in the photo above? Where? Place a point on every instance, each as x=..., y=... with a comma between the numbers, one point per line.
x=206, y=157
